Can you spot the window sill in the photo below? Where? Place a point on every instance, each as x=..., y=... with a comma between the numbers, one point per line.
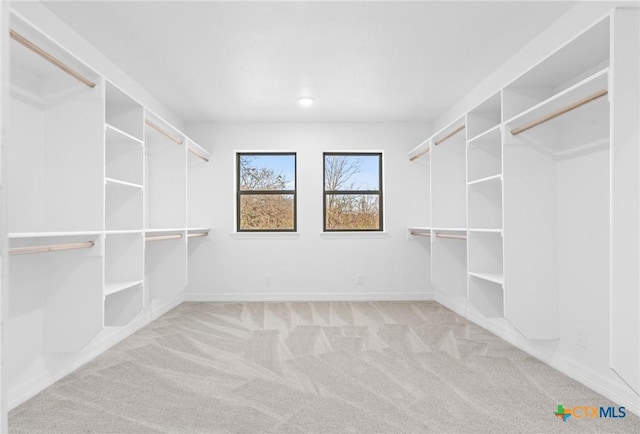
x=354, y=235
x=265, y=235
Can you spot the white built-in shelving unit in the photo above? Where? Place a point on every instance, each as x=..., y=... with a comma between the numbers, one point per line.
x=543, y=186
x=90, y=181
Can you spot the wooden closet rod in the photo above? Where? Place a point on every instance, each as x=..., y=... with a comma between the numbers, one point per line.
x=420, y=234
x=559, y=112
x=199, y=234
x=48, y=57
x=454, y=237
x=50, y=248
x=420, y=154
x=163, y=237
x=448, y=136
x=197, y=154
x=164, y=132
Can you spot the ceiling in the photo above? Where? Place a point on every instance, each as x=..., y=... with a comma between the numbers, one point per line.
x=360, y=61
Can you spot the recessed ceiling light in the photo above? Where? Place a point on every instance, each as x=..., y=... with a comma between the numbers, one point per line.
x=305, y=101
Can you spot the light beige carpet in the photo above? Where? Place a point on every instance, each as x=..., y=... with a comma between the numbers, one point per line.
x=368, y=367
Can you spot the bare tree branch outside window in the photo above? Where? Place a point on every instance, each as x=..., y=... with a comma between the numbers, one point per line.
x=352, y=189
x=266, y=192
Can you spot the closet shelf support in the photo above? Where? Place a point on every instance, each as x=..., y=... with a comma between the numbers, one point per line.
x=51, y=59
x=559, y=112
x=164, y=132
x=50, y=248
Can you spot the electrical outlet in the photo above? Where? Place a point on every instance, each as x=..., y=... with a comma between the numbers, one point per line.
x=581, y=337
x=267, y=280
x=360, y=279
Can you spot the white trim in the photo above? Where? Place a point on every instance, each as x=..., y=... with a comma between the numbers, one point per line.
x=108, y=338
x=19, y=235
x=265, y=235
x=353, y=235
x=234, y=185
x=313, y=296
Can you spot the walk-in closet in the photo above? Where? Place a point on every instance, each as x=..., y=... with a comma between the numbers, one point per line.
x=320, y=216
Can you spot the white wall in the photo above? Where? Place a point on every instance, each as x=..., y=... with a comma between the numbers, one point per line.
x=311, y=266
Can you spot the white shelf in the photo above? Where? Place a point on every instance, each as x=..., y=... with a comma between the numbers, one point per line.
x=484, y=199
x=198, y=229
x=450, y=229
x=484, y=135
x=584, y=55
x=485, y=117
x=487, y=179
x=39, y=81
x=491, y=277
x=593, y=83
x=123, y=306
x=123, y=206
x=195, y=149
x=111, y=181
x=117, y=130
x=484, y=155
x=124, y=232
x=124, y=113
x=22, y=235
x=165, y=231
x=112, y=288
x=486, y=296
x=496, y=231
x=421, y=150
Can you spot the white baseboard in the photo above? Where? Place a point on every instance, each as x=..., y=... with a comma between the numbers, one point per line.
x=618, y=393
x=316, y=296
x=107, y=338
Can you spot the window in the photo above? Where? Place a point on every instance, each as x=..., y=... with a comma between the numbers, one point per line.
x=352, y=191
x=266, y=187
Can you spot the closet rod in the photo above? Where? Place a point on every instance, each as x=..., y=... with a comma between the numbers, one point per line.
x=453, y=237
x=420, y=154
x=163, y=237
x=200, y=234
x=50, y=248
x=197, y=154
x=448, y=136
x=559, y=112
x=48, y=57
x=420, y=234
x=164, y=132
